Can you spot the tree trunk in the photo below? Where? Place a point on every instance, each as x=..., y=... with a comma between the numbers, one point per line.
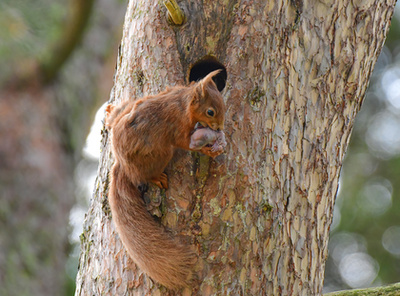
x=259, y=216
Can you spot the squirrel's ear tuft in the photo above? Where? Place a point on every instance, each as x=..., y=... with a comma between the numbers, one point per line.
x=211, y=75
x=206, y=82
x=209, y=78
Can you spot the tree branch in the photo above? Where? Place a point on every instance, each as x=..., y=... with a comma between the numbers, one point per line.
x=391, y=290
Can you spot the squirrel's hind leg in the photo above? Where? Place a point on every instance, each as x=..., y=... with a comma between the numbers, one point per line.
x=161, y=181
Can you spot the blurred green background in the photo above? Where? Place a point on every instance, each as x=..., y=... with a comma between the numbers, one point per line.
x=364, y=248
x=57, y=60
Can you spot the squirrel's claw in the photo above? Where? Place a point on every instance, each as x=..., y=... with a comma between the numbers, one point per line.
x=210, y=152
x=161, y=181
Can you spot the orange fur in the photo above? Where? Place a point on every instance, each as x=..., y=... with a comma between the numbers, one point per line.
x=144, y=135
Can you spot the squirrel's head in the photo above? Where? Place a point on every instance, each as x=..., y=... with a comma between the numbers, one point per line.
x=207, y=105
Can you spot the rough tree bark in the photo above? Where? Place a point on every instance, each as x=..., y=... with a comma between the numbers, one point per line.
x=259, y=216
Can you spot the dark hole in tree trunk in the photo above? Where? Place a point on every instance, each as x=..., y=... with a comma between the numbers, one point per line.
x=206, y=65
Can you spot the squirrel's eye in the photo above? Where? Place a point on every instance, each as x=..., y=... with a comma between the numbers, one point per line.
x=210, y=112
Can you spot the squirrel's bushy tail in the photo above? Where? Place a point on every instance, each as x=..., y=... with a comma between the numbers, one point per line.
x=159, y=255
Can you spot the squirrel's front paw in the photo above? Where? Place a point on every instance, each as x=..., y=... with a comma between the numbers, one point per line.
x=211, y=152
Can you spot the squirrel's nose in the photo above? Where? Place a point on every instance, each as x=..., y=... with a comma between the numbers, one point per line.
x=216, y=126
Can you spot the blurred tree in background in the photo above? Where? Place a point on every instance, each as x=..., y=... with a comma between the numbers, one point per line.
x=57, y=60
x=364, y=247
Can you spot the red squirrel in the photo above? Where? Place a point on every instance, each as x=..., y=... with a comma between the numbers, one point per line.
x=144, y=134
